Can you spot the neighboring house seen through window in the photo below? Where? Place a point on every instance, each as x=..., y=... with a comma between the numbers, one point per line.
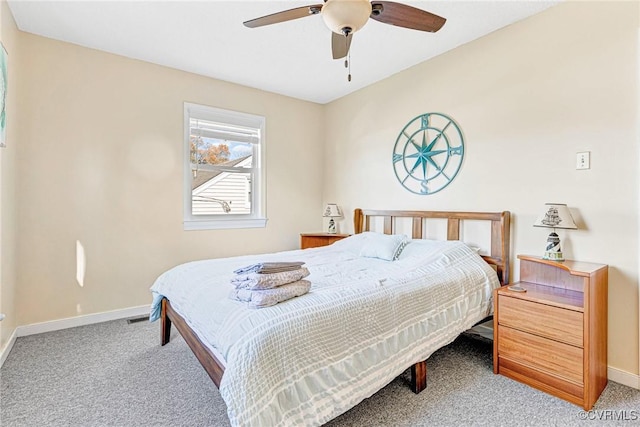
x=224, y=175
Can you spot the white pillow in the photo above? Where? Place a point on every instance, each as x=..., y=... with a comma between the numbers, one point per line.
x=383, y=246
x=425, y=248
x=353, y=243
x=420, y=247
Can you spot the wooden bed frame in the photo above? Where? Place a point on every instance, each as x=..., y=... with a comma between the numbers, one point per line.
x=498, y=258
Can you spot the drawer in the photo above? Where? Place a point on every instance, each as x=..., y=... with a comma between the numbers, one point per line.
x=548, y=321
x=556, y=358
x=548, y=383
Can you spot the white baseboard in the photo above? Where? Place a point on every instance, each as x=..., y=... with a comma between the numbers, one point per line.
x=7, y=348
x=623, y=377
x=87, y=319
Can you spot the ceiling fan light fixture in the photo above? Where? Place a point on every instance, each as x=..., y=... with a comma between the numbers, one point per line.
x=341, y=14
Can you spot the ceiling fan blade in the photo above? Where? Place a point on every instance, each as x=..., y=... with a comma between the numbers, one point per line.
x=402, y=15
x=285, y=15
x=340, y=45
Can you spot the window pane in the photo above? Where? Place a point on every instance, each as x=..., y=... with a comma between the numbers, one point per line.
x=206, y=151
x=221, y=193
x=217, y=143
x=210, y=151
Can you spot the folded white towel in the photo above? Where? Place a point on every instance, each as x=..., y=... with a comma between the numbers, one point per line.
x=269, y=297
x=257, y=281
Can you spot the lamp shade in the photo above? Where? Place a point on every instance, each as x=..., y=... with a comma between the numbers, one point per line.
x=556, y=215
x=332, y=210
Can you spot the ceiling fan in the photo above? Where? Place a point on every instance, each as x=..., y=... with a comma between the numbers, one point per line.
x=345, y=17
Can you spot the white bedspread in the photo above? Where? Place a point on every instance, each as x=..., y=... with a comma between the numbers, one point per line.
x=365, y=320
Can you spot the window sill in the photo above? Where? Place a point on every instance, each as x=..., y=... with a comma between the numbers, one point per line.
x=221, y=224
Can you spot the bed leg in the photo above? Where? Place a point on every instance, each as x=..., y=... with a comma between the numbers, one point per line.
x=165, y=324
x=419, y=376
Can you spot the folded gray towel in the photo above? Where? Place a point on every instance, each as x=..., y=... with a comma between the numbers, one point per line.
x=269, y=267
x=253, y=281
x=269, y=297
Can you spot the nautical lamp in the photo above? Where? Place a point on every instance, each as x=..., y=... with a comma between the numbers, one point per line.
x=556, y=215
x=331, y=211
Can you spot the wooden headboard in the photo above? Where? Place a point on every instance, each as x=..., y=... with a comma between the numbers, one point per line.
x=500, y=228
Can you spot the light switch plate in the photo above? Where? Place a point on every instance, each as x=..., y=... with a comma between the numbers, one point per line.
x=583, y=160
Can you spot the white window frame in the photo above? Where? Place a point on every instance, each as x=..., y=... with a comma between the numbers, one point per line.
x=257, y=218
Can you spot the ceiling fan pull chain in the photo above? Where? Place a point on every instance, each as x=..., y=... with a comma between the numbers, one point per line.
x=346, y=48
x=348, y=64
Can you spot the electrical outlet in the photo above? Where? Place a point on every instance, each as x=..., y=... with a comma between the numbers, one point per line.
x=583, y=160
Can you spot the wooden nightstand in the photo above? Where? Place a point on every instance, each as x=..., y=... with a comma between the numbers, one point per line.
x=554, y=336
x=314, y=240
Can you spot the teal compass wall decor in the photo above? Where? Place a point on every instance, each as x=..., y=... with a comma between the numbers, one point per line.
x=428, y=153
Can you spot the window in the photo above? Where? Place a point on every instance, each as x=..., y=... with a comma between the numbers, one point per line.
x=224, y=181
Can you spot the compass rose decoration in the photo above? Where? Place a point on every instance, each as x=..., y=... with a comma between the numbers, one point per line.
x=428, y=153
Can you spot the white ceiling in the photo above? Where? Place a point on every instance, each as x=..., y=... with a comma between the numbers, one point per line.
x=291, y=58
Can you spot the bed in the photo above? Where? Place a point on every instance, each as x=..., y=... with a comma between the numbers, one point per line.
x=365, y=321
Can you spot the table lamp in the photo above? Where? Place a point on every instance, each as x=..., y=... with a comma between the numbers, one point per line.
x=331, y=211
x=556, y=215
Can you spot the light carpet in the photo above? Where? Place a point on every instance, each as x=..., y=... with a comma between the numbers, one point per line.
x=117, y=374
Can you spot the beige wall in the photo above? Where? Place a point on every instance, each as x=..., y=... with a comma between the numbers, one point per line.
x=100, y=163
x=528, y=97
x=9, y=36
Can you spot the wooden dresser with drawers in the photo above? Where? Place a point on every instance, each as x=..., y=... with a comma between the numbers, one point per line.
x=553, y=335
